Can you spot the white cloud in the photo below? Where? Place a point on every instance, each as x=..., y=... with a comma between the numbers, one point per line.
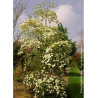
x=66, y=15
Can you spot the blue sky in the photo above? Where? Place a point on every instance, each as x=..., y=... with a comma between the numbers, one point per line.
x=69, y=12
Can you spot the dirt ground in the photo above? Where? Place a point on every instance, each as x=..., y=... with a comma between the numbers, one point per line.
x=20, y=91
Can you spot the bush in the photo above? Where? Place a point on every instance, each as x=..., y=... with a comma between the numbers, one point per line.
x=43, y=84
x=17, y=59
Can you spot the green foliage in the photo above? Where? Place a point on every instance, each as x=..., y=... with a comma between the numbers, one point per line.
x=16, y=57
x=62, y=29
x=65, y=32
x=74, y=49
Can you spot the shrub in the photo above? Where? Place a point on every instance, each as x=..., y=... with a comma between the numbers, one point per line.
x=17, y=59
x=43, y=84
x=16, y=47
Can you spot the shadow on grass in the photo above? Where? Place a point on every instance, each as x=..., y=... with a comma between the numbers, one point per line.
x=74, y=91
x=74, y=74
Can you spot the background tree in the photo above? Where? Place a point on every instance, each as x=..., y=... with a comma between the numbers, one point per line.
x=62, y=29
x=80, y=47
x=80, y=44
x=18, y=7
x=65, y=32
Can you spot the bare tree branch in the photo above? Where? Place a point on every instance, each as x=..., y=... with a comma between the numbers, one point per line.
x=18, y=8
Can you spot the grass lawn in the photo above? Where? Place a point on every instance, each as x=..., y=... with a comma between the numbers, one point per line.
x=74, y=84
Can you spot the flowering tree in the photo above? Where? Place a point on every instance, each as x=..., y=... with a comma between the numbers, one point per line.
x=46, y=53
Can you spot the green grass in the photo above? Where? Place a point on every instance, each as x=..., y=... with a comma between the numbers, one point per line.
x=74, y=84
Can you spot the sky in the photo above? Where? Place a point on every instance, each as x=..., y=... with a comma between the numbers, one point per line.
x=69, y=12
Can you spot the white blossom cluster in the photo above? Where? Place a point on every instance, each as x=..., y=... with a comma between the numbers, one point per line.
x=48, y=35
x=57, y=53
x=52, y=34
x=27, y=25
x=44, y=84
x=28, y=45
